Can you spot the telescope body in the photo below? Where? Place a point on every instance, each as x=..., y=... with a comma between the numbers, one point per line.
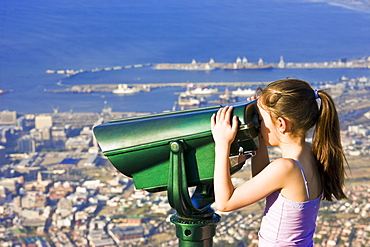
x=140, y=147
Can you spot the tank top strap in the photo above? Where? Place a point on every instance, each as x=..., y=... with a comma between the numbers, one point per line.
x=304, y=178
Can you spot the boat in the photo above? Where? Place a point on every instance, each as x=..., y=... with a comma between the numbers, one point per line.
x=243, y=92
x=3, y=91
x=227, y=97
x=202, y=90
x=236, y=66
x=145, y=88
x=125, y=89
x=186, y=99
x=244, y=64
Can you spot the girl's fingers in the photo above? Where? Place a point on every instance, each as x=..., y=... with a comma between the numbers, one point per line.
x=235, y=124
x=213, y=120
x=228, y=114
x=219, y=115
x=224, y=113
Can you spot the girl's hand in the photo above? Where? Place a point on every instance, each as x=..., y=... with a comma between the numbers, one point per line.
x=223, y=126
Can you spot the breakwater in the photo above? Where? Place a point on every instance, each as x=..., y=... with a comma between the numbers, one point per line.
x=240, y=63
x=73, y=72
x=243, y=63
x=90, y=88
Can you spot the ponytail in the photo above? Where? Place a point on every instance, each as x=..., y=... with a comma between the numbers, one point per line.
x=328, y=150
x=296, y=100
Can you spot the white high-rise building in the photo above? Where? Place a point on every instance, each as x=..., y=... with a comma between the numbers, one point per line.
x=43, y=121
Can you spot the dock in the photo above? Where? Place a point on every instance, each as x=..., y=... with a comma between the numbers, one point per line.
x=90, y=88
x=239, y=64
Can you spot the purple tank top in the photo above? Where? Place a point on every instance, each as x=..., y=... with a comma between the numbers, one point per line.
x=289, y=223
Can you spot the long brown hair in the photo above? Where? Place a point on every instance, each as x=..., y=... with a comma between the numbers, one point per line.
x=296, y=100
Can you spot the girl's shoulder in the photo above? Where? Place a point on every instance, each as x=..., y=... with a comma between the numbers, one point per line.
x=283, y=166
x=285, y=163
x=279, y=174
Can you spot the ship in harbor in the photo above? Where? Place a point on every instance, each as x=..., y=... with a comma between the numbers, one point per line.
x=3, y=91
x=125, y=89
x=227, y=97
x=243, y=92
x=189, y=99
x=245, y=64
x=200, y=90
x=185, y=99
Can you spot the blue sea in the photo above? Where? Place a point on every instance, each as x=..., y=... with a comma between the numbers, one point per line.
x=40, y=35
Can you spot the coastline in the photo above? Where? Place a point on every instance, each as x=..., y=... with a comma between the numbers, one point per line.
x=239, y=64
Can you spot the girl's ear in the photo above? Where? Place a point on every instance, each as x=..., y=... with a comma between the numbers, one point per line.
x=282, y=125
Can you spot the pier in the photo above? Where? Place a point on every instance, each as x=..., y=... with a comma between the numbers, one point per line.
x=238, y=64
x=73, y=72
x=89, y=88
x=244, y=64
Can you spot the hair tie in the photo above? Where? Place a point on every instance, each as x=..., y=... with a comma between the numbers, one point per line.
x=316, y=94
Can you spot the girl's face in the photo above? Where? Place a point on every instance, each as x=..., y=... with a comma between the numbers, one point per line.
x=268, y=128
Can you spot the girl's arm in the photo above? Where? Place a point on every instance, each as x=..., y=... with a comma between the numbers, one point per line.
x=278, y=175
x=270, y=179
x=261, y=159
x=223, y=186
x=223, y=130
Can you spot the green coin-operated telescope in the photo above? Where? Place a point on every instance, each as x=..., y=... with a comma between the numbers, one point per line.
x=173, y=151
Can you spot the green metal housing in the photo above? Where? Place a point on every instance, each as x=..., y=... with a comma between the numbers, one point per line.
x=140, y=147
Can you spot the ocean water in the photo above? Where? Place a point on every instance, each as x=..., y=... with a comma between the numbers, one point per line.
x=68, y=34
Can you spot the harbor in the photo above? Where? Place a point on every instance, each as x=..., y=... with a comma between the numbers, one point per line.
x=191, y=94
x=148, y=89
x=238, y=64
x=90, y=88
x=244, y=63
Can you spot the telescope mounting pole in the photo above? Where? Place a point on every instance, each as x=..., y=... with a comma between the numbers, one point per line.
x=195, y=227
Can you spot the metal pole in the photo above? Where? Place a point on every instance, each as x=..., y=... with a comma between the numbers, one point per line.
x=195, y=227
x=195, y=232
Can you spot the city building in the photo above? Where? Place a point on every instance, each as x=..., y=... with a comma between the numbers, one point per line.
x=128, y=235
x=43, y=121
x=38, y=185
x=26, y=144
x=8, y=117
x=2, y=155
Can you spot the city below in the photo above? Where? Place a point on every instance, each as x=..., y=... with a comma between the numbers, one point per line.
x=57, y=188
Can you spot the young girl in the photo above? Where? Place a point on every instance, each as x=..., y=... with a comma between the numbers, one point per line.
x=294, y=184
